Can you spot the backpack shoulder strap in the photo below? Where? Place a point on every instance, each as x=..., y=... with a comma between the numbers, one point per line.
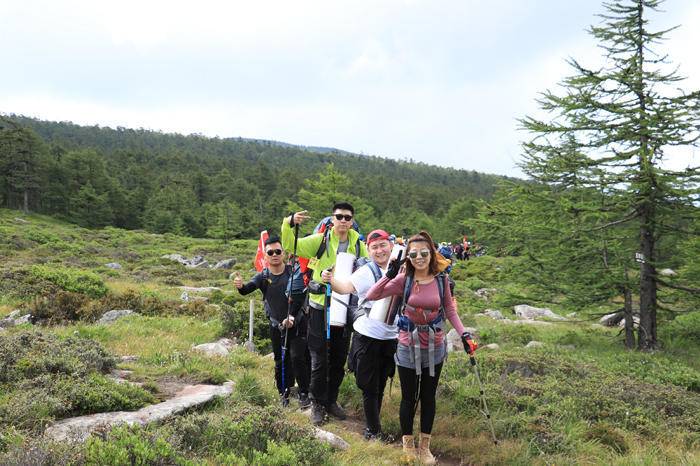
x=441, y=288
x=324, y=244
x=357, y=248
x=265, y=273
x=407, y=286
x=376, y=271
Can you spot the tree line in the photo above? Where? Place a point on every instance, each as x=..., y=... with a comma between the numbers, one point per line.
x=219, y=188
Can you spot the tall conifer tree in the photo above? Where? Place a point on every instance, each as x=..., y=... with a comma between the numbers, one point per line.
x=620, y=121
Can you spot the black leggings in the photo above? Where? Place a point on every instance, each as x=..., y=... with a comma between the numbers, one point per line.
x=409, y=389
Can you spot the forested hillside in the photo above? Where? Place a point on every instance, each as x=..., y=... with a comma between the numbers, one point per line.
x=220, y=188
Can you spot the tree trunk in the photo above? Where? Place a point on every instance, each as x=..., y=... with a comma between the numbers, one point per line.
x=629, y=318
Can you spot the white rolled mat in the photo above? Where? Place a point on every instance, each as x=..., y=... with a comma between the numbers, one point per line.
x=344, y=263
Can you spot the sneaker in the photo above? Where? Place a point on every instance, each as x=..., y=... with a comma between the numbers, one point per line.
x=318, y=414
x=304, y=401
x=335, y=410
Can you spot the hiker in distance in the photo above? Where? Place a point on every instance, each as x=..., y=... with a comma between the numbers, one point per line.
x=275, y=282
x=426, y=302
x=327, y=357
x=374, y=340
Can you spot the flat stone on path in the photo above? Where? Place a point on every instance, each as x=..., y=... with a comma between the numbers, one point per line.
x=79, y=428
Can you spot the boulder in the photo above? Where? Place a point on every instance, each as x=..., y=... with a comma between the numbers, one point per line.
x=212, y=349
x=79, y=428
x=331, y=439
x=494, y=314
x=534, y=344
x=571, y=315
x=111, y=316
x=524, y=311
x=485, y=293
x=539, y=323
x=226, y=264
x=113, y=265
x=21, y=220
x=199, y=265
x=128, y=358
x=174, y=258
x=203, y=289
x=611, y=320
x=14, y=314
x=454, y=341
x=635, y=319
x=491, y=347
x=667, y=273
x=25, y=319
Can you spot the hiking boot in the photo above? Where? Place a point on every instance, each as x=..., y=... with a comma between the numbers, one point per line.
x=318, y=414
x=304, y=401
x=378, y=436
x=409, y=449
x=335, y=410
x=424, y=454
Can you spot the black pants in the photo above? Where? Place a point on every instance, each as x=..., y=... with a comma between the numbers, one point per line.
x=297, y=364
x=372, y=361
x=327, y=369
x=409, y=390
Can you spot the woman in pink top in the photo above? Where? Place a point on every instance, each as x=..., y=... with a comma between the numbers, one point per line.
x=421, y=349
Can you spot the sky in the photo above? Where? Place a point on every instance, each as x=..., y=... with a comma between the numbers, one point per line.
x=437, y=81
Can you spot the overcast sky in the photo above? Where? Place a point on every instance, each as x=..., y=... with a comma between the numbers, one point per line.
x=441, y=82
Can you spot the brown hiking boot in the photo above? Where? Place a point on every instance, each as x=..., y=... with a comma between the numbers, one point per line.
x=424, y=454
x=409, y=449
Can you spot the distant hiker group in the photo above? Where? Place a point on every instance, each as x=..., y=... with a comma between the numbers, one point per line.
x=383, y=302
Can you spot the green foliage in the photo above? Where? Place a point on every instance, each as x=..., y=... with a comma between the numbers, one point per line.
x=609, y=436
x=686, y=327
x=516, y=334
x=234, y=324
x=45, y=378
x=131, y=445
x=75, y=280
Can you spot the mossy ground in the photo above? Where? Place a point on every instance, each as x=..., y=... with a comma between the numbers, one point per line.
x=580, y=399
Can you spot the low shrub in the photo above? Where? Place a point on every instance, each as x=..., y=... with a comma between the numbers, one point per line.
x=234, y=324
x=75, y=280
x=685, y=326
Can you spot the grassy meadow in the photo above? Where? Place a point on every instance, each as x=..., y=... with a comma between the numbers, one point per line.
x=579, y=398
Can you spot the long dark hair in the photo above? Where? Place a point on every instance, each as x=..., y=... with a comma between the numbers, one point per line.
x=422, y=237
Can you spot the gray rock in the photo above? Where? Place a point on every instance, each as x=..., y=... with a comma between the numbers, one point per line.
x=79, y=428
x=524, y=311
x=212, y=349
x=491, y=347
x=226, y=263
x=494, y=314
x=14, y=314
x=199, y=265
x=667, y=273
x=196, y=260
x=227, y=343
x=204, y=289
x=25, y=319
x=113, y=265
x=269, y=356
x=611, y=320
x=454, y=341
x=485, y=293
x=129, y=358
x=331, y=439
x=111, y=316
x=21, y=220
x=539, y=323
x=534, y=344
x=571, y=315
x=174, y=258
x=635, y=319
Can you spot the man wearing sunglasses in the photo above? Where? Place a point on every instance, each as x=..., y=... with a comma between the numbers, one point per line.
x=273, y=281
x=322, y=249
x=373, y=341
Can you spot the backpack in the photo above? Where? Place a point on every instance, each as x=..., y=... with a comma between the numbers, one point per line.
x=294, y=287
x=399, y=304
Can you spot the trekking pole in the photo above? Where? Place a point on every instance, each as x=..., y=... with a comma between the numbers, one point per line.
x=285, y=392
x=328, y=336
x=482, y=393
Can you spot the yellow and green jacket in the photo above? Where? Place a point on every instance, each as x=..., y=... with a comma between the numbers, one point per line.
x=307, y=247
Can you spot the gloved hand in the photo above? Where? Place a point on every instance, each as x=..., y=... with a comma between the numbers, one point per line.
x=395, y=266
x=469, y=344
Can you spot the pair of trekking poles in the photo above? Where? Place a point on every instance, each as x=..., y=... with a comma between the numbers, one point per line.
x=482, y=394
x=327, y=320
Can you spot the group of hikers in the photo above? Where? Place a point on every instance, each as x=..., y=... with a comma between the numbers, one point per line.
x=409, y=335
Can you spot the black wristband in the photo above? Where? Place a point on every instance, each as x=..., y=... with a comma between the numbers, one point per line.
x=291, y=220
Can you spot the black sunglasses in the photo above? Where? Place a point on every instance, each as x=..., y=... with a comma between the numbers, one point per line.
x=272, y=252
x=423, y=253
x=347, y=218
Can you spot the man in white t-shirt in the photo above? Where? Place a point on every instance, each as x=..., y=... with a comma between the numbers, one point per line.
x=373, y=346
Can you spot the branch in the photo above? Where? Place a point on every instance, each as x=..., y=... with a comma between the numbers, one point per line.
x=677, y=287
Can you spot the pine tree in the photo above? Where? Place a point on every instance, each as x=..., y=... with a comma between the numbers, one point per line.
x=22, y=164
x=610, y=131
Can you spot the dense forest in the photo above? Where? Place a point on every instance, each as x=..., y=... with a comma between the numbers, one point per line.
x=219, y=188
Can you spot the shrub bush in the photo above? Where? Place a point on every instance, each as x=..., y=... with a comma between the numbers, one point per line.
x=74, y=280
x=234, y=324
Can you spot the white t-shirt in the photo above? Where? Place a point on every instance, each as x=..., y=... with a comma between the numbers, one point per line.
x=362, y=280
